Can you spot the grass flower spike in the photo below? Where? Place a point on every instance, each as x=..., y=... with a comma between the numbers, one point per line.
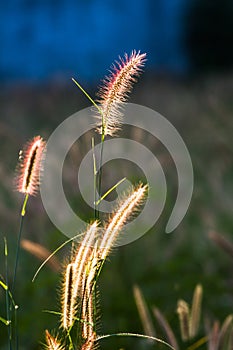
x=74, y=279
x=67, y=312
x=126, y=208
x=115, y=90
x=27, y=180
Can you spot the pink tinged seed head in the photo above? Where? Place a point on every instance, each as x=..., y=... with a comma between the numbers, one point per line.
x=115, y=89
x=28, y=171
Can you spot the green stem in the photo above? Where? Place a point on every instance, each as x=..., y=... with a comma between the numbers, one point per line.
x=87, y=95
x=14, y=277
x=95, y=176
x=7, y=297
x=110, y=190
x=17, y=252
x=23, y=212
x=100, y=172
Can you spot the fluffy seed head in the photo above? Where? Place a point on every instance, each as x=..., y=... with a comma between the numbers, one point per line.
x=30, y=165
x=126, y=208
x=115, y=90
x=75, y=276
x=87, y=302
x=184, y=317
x=67, y=309
x=195, y=311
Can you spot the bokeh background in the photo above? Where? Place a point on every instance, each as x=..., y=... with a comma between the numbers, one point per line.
x=188, y=78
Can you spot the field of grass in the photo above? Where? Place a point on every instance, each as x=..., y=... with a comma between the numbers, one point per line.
x=166, y=267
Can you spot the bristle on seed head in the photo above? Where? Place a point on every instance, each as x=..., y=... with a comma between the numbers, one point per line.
x=115, y=89
x=30, y=165
x=90, y=343
x=52, y=343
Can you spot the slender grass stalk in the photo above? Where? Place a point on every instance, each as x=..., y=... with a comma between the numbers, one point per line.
x=16, y=266
x=100, y=172
x=23, y=212
x=9, y=328
x=198, y=343
x=53, y=253
x=95, y=176
x=97, y=187
x=18, y=248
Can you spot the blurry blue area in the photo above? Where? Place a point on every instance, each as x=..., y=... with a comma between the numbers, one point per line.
x=43, y=39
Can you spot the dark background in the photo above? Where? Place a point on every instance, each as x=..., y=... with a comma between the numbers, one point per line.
x=188, y=79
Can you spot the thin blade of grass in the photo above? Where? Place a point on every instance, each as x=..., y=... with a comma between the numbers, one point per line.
x=53, y=253
x=198, y=343
x=110, y=190
x=8, y=306
x=88, y=96
x=6, y=322
x=143, y=336
x=40, y=253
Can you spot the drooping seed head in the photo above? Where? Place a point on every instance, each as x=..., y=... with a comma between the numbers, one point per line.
x=30, y=165
x=115, y=90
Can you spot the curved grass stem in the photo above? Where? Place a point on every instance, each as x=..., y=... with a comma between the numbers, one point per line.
x=136, y=335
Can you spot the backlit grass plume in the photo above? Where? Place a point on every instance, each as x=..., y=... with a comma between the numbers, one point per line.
x=26, y=182
x=74, y=281
x=115, y=89
x=29, y=167
x=81, y=273
x=27, y=179
x=127, y=206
